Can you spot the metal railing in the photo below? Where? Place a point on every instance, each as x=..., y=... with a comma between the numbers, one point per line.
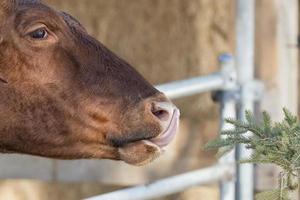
x=225, y=82
x=171, y=185
x=236, y=87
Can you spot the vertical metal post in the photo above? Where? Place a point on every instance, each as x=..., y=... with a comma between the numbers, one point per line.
x=228, y=110
x=245, y=26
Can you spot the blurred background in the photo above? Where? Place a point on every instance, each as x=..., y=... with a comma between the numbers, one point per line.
x=167, y=41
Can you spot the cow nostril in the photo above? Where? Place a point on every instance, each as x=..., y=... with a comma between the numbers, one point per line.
x=162, y=110
x=162, y=115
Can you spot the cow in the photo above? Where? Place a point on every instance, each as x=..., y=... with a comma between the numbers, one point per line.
x=64, y=95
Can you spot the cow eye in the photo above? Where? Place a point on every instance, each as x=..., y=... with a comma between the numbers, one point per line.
x=39, y=34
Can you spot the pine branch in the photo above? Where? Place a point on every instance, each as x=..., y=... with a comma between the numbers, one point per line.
x=272, y=143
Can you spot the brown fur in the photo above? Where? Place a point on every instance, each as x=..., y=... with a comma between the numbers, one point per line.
x=68, y=96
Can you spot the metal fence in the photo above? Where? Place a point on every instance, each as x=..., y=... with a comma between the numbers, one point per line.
x=236, y=90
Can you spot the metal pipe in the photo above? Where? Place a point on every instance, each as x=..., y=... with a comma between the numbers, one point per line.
x=193, y=86
x=171, y=185
x=228, y=110
x=227, y=187
x=245, y=26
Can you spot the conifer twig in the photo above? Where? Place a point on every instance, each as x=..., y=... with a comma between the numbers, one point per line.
x=273, y=143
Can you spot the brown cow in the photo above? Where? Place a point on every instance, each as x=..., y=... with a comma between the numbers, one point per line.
x=64, y=95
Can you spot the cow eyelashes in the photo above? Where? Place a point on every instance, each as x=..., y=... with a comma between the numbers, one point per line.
x=39, y=34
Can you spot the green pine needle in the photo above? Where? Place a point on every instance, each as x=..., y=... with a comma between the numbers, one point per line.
x=272, y=143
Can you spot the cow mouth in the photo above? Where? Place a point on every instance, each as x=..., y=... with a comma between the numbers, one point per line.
x=144, y=151
x=168, y=135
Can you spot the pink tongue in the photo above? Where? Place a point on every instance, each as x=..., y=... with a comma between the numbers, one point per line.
x=170, y=133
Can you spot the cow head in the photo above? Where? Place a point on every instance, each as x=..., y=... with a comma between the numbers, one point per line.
x=65, y=95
